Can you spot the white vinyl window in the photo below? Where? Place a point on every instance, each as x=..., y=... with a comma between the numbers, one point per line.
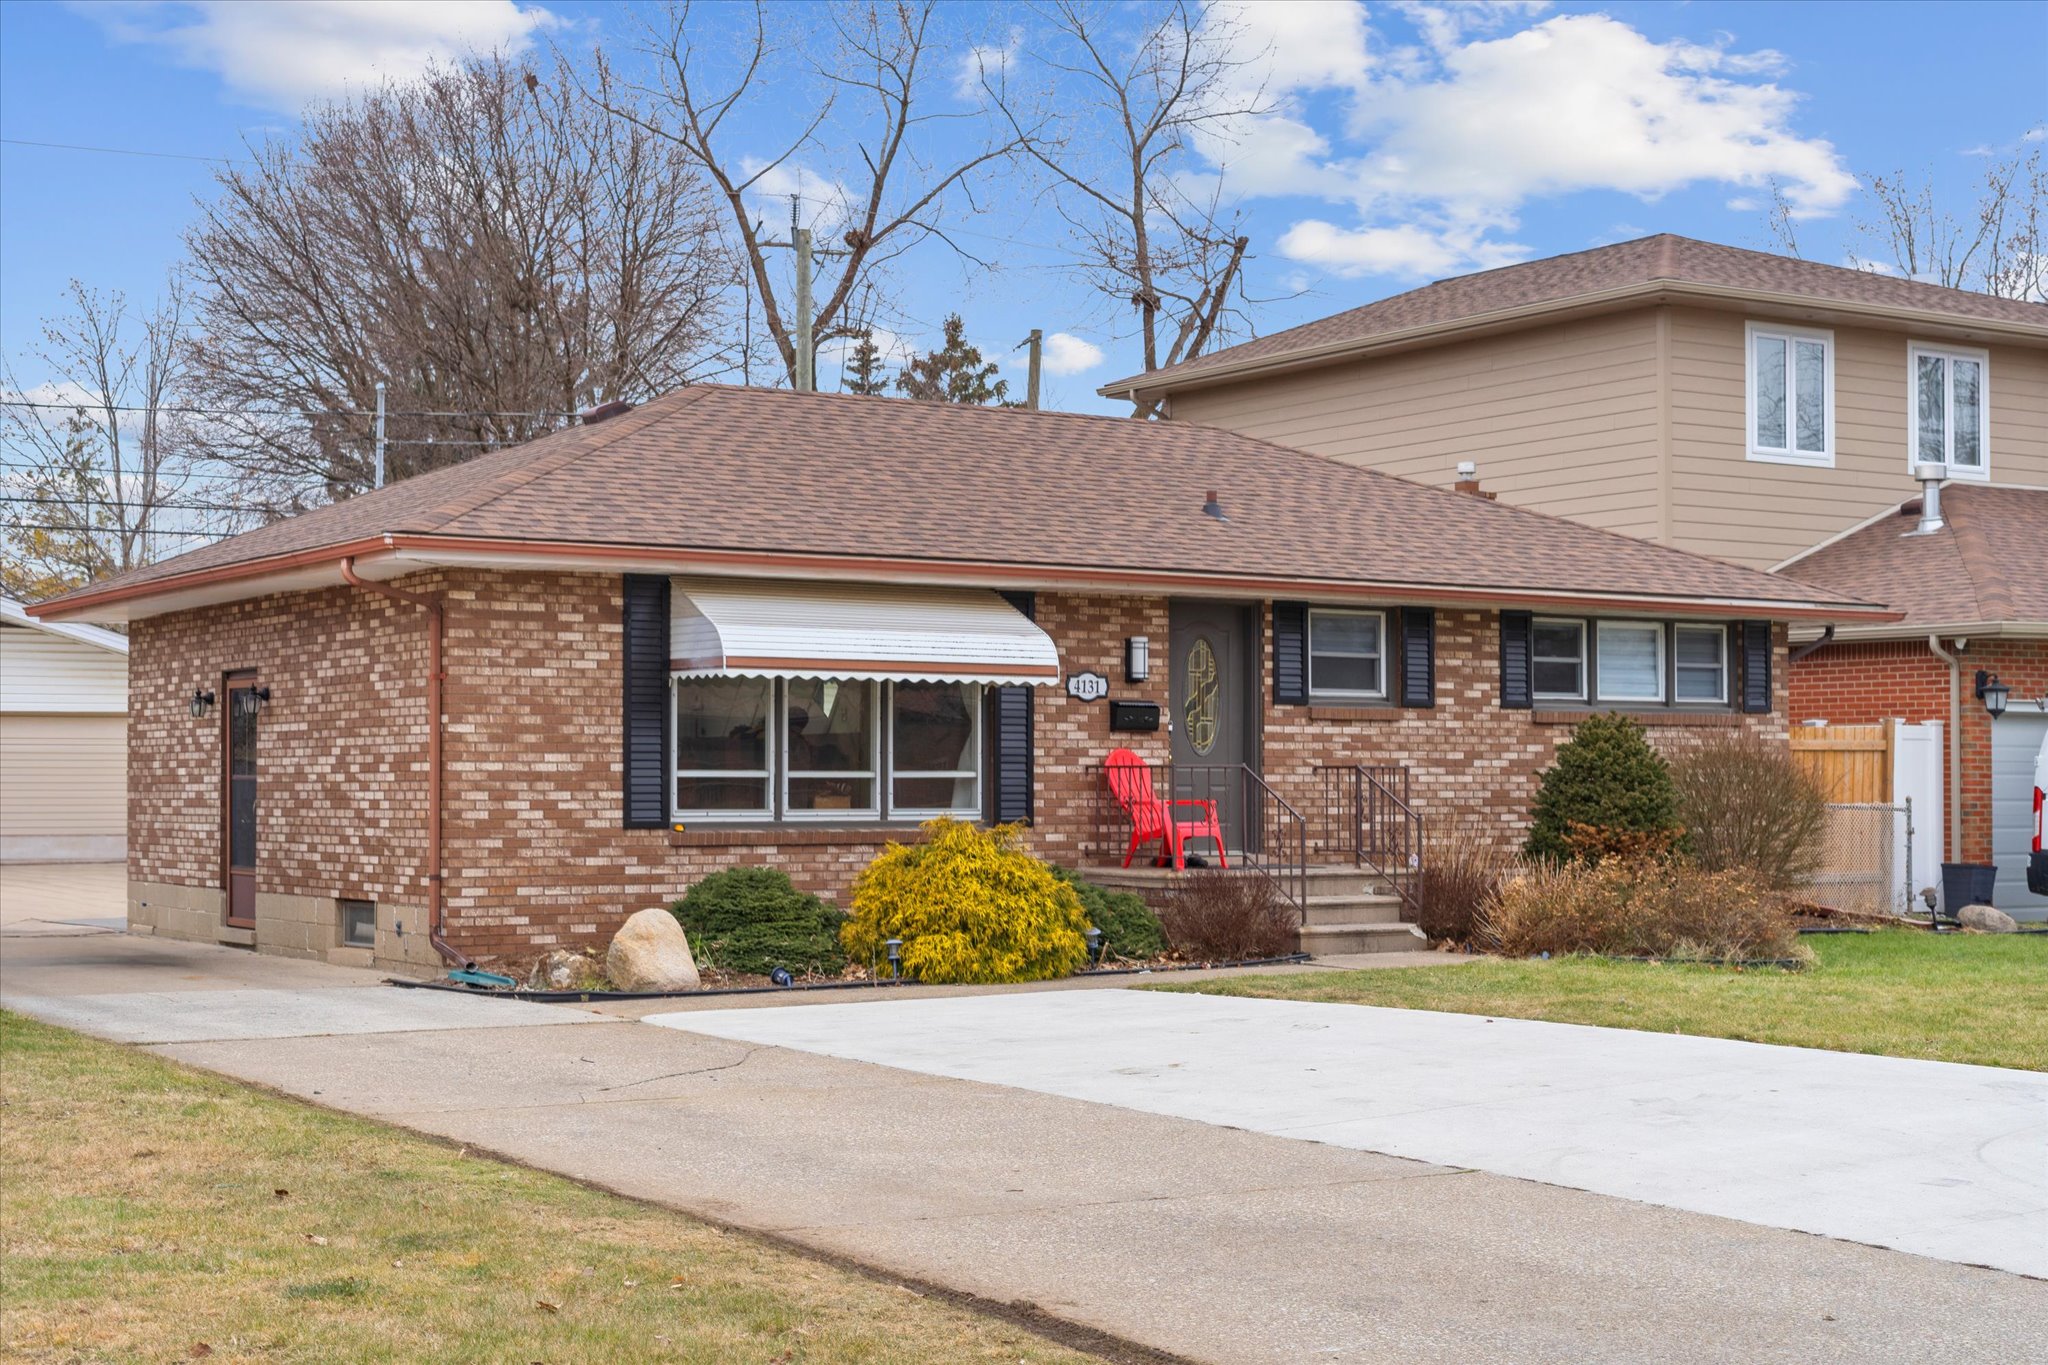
x=1629, y=661
x=1948, y=409
x=1347, y=654
x=1699, y=664
x=823, y=749
x=1557, y=660
x=1791, y=394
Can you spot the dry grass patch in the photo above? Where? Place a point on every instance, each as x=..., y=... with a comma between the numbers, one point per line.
x=151, y=1212
x=1950, y=998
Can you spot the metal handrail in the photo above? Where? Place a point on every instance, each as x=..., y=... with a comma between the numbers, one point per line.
x=1385, y=828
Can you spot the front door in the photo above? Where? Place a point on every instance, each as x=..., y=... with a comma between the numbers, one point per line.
x=238, y=796
x=1215, y=707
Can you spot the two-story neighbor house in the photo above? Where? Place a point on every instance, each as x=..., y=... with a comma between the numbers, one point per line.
x=1729, y=402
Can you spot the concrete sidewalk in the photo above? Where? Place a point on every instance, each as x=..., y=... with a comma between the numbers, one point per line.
x=1929, y=1157
x=1189, y=1237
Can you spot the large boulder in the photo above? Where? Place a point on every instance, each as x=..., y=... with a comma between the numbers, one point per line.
x=1986, y=919
x=651, y=953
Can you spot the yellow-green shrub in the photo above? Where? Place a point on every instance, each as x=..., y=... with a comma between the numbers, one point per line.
x=970, y=906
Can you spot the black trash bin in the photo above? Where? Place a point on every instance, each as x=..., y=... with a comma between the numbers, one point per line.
x=1966, y=884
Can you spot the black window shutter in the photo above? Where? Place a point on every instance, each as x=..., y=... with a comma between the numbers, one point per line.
x=1756, y=667
x=1011, y=738
x=1290, y=653
x=645, y=659
x=1514, y=660
x=1418, y=656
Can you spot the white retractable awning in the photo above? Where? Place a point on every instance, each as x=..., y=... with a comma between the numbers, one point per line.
x=732, y=627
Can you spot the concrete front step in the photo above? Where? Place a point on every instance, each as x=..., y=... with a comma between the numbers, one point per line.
x=1325, y=910
x=1329, y=940
x=1335, y=880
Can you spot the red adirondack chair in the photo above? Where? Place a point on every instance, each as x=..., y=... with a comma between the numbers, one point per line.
x=1151, y=817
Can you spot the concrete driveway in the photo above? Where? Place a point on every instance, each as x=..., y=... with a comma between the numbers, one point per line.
x=62, y=898
x=1928, y=1157
x=1184, y=1236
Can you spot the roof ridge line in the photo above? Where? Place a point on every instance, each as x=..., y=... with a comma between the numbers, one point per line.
x=1987, y=583
x=514, y=480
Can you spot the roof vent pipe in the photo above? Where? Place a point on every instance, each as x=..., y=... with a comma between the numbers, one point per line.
x=1930, y=476
x=1213, y=508
x=1468, y=480
x=605, y=411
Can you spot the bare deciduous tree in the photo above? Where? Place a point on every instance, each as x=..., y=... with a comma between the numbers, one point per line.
x=94, y=471
x=1998, y=246
x=1151, y=231
x=483, y=239
x=864, y=72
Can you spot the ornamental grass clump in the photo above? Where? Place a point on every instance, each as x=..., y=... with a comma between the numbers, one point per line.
x=753, y=919
x=1665, y=908
x=1464, y=862
x=1607, y=794
x=969, y=906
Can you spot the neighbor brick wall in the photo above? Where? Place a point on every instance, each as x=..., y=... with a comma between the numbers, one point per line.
x=1866, y=682
x=533, y=845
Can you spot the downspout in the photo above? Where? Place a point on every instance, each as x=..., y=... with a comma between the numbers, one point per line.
x=435, y=676
x=1955, y=745
x=1827, y=637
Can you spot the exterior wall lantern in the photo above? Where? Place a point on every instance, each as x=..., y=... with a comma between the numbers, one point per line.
x=1137, y=659
x=262, y=695
x=201, y=703
x=1992, y=693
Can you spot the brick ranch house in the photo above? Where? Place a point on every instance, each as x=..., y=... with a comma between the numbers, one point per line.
x=1972, y=583
x=497, y=707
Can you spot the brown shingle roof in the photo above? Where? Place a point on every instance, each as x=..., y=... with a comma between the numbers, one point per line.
x=753, y=472
x=1988, y=564
x=1562, y=279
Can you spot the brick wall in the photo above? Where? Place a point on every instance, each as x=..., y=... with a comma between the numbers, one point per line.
x=533, y=846
x=1870, y=681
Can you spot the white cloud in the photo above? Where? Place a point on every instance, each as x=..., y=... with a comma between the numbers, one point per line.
x=1438, y=147
x=1066, y=353
x=986, y=61
x=826, y=200
x=2035, y=133
x=283, y=55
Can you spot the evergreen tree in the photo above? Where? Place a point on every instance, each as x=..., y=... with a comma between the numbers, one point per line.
x=955, y=373
x=1610, y=789
x=863, y=372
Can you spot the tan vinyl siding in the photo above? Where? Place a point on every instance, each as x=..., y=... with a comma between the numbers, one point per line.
x=1562, y=419
x=44, y=673
x=63, y=780
x=1758, y=513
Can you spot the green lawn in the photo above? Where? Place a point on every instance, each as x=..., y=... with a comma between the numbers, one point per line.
x=149, y=1212
x=1951, y=998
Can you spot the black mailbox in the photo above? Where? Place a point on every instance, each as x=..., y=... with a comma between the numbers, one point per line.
x=1134, y=715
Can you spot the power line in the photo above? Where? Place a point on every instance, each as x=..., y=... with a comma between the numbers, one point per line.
x=125, y=151
x=128, y=506
x=109, y=530
x=258, y=412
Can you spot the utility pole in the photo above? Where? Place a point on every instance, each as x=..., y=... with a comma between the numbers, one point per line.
x=1036, y=344
x=380, y=435
x=803, y=375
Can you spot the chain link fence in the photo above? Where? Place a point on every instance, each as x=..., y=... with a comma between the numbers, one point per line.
x=1866, y=863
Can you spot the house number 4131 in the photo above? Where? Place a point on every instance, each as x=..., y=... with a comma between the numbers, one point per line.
x=1087, y=686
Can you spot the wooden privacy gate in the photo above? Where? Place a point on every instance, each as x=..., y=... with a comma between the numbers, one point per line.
x=1852, y=763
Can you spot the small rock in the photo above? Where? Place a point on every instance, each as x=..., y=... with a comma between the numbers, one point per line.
x=561, y=969
x=1986, y=919
x=651, y=953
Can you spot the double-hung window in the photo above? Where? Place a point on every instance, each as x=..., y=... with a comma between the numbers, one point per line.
x=1347, y=654
x=1557, y=660
x=1948, y=409
x=823, y=749
x=1699, y=664
x=1629, y=661
x=1791, y=391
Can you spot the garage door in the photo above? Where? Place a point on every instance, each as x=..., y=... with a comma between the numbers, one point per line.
x=63, y=788
x=2015, y=740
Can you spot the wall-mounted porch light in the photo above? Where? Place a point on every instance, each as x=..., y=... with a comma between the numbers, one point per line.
x=201, y=703
x=1992, y=693
x=262, y=695
x=1137, y=659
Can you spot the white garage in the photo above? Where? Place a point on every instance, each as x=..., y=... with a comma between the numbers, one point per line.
x=2016, y=740
x=63, y=741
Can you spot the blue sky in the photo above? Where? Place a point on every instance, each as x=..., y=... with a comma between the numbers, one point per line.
x=1406, y=142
